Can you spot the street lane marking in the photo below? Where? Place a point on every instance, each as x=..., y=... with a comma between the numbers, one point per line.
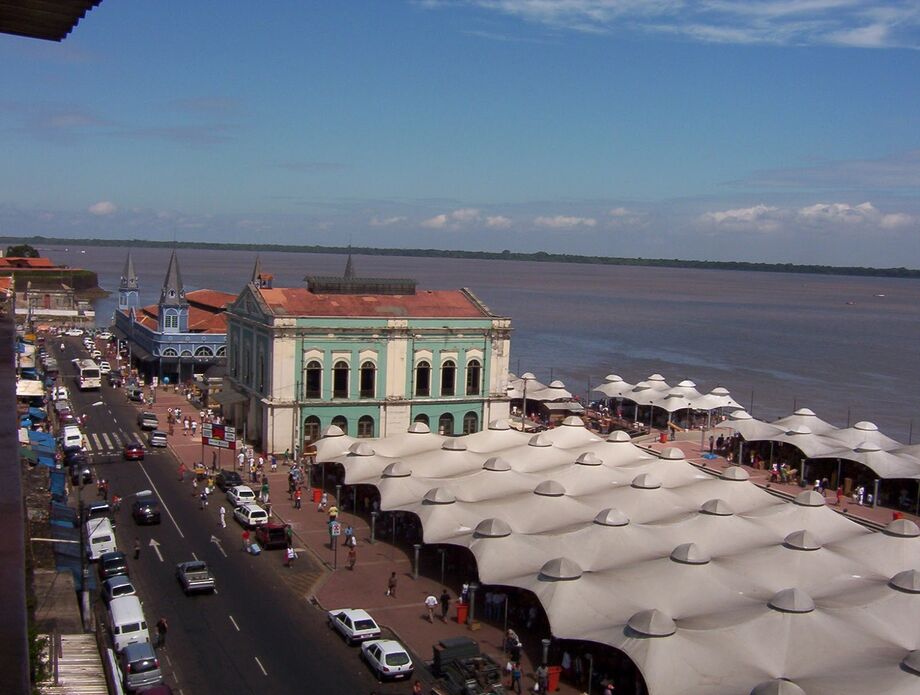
x=156, y=547
x=162, y=501
x=235, y=625
x=97, y=444
x=108, y=442
x=264, y=672
x=216, y=541
x=194, y=557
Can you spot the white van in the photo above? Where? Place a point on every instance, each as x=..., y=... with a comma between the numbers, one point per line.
x=100, y=538
x=72, y=437
x=127, y=622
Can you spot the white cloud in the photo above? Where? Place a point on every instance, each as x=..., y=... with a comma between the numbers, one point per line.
x=762, y=218
x=767, y=218
x=102, y=208
x=436, y=222
x=621, y=212
x=385, y=221
x=498, y=222
x=453, y=220
x=851, y=23
x=565, y=222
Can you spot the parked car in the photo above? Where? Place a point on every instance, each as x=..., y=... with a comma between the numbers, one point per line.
x=250, y=515
x=147, y=420
x=104, y=335
x=136, y=395
x=75, y=332
x=60, y=394
x=134, y=451
x=146, y=508
x=140, y=666
x=104, y=367
x=195, y=576
x=81, y=473
x=157, y=438
x=227, y=479
x=117, y=586
x=272, y=536
x=98, y=510
x=354, y=624
x=388, y=659
x=240, y=494
x=95, y=354
x=112, y=564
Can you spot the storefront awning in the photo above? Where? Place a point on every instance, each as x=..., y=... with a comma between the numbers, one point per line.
x=227, y=397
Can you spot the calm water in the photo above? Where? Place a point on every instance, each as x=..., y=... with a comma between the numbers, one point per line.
x=782, y=340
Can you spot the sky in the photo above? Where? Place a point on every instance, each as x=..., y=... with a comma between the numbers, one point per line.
x=766, y=130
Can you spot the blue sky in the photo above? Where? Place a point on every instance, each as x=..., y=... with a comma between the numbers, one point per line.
x=775, y=130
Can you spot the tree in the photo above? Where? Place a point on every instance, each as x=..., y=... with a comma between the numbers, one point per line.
x=22, y=251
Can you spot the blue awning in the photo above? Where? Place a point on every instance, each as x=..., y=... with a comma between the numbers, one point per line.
x=37, y=413
x=46, y=461
x=42, y=439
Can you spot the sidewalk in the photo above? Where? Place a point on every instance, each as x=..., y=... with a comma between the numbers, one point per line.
x=365, y=587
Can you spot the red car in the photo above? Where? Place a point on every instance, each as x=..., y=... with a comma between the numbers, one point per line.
x=134, y=451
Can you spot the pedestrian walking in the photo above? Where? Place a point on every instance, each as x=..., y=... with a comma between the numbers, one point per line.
x=431, y=603
x=712, y=443
x=516, y=674
x=137, y=548
x=289, y=535
x=445, y=605
x=274, y=460
x=323, y=501
x=223, y=514
x=417, y=688
x=298, y=496
x=247, y=540
x=162, y=627
x=240, y=458
x=194, y=427
x=289, y=556
x=194, y=486
x=542, y=678
x=352, y=558
x=391, y=585
x=203, y=499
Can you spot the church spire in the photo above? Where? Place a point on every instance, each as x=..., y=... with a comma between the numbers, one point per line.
x=127, y=285
x=349, y=267
x=128, y=276
x=173, y=293
x=257, y=272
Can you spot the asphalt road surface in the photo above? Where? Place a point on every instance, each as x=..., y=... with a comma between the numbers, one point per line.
x=255, y=635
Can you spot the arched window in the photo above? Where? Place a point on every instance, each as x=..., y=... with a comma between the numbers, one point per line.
x=421, y=417
x=340, y=380
x=204, y=351
x=365, y=426
x=446, y=424
x=470, y=423
x=423, y=379
x=368, y=379
x=186, y=353
x=473, y=377
x=341, y=422
x=222, y=351
x=171, y=319
x=448, y=378
x=169, y=352
x=311, y=429
x=313, y=380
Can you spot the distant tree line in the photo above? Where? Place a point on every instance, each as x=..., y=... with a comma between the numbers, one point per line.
x=506, y=255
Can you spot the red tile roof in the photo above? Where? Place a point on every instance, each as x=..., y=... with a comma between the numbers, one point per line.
x=212, y=299
x=299, y=301
x=205, y=312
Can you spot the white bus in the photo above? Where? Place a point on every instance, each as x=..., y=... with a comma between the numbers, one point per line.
x=88, y=375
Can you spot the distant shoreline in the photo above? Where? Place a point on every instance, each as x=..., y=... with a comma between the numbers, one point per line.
x=539, y=256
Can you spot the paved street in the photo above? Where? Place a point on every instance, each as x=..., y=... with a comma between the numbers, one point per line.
x=258, y=634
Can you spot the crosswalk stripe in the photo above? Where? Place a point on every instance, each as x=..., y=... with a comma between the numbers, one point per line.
x=108, y=442
x=96, y=440
x=118, y=439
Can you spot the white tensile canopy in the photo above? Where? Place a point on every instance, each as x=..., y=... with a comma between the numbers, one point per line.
x=655, y=391
x=613, y=386
x=711, y=585
x=884, y=456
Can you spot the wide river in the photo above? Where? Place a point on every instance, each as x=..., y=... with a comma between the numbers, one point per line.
x=846, y=347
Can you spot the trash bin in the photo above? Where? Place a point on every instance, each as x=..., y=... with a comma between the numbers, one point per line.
x=317, y=494
x=552, y=682
x=663, y=438
x=463, y=610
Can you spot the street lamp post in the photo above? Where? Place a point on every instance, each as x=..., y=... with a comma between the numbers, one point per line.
x=545, y=642
x=590, y=658
x=338, y=497
x=373, y=527
x=417, y=547
x=441, y=553
x=471, y=615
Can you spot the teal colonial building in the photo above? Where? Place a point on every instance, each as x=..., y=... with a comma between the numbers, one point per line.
x=369, y=355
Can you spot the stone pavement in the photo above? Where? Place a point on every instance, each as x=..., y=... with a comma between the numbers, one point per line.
x=365, y=587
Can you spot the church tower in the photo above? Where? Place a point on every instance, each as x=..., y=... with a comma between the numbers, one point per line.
x=173, y=304
x=127, y=286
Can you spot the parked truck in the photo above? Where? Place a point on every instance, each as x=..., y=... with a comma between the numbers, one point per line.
x=462, y=669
